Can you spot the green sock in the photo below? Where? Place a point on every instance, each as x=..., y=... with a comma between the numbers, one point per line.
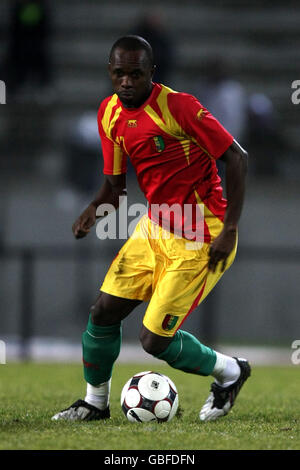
x=186, y=353
x=101, y=346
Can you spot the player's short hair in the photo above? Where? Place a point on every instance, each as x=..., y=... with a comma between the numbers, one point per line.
x=133, y=43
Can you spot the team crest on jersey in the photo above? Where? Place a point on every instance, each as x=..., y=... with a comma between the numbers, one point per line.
x=132, y=123
x=159, y=143
x=169, y=322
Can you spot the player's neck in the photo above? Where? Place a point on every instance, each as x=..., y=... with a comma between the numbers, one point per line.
x=141, y=101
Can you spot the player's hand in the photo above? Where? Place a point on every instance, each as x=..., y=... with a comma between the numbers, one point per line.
x=220, y=249
x=85, y=221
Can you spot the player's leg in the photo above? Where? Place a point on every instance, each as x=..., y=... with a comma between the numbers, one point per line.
x=101, y=340
x=182, y=351
x=178, y=293
x=183, y=285
x=185, y=352
x=127, y=283
x=101, y=344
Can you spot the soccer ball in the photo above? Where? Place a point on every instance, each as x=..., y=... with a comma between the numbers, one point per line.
x=149, y=396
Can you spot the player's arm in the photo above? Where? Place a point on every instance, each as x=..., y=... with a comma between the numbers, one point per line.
x=112, y=189
x=114, y=184
x=235, y=159
x=198, y=123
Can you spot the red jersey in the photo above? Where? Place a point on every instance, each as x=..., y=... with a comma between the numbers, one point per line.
x=172, y=142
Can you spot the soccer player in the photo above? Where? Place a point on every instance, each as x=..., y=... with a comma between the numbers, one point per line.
x=173, y=143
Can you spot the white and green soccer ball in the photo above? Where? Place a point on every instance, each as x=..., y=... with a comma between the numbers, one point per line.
x=149, y=396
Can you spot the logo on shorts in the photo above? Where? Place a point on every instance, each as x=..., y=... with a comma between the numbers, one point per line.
x=159, y=143
x=169, y=322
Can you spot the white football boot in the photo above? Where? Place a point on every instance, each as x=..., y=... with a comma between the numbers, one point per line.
x=82, y=411
x=221, y=399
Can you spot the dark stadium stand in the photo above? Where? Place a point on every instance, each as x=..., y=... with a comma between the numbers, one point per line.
x=261, y=41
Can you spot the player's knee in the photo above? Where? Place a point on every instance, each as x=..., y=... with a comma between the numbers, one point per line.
x=102, y=314
x=152, y=344
x=95, y=312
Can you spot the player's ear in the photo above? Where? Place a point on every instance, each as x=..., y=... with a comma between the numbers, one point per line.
x=153, y=68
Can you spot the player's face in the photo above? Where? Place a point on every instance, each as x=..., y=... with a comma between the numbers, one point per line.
x=131, y=76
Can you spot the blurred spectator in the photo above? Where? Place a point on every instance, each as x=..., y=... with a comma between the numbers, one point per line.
x=83, y=150
x=151, y=28
x=224, y=97
x=264, y=141
x=250, y=119
x=28, y=58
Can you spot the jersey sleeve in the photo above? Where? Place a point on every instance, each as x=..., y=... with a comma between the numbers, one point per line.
x=199, y=124
x=114, y=159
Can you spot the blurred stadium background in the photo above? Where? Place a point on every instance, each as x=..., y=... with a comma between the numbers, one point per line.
x=240, y=58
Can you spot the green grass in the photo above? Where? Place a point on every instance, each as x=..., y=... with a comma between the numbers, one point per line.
x=266, y=414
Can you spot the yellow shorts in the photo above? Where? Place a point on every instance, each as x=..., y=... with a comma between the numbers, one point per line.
x=172, y=273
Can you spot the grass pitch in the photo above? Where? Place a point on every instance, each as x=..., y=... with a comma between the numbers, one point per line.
x=265, y=416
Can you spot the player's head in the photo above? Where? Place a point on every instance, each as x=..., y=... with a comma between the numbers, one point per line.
x=131, y=69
